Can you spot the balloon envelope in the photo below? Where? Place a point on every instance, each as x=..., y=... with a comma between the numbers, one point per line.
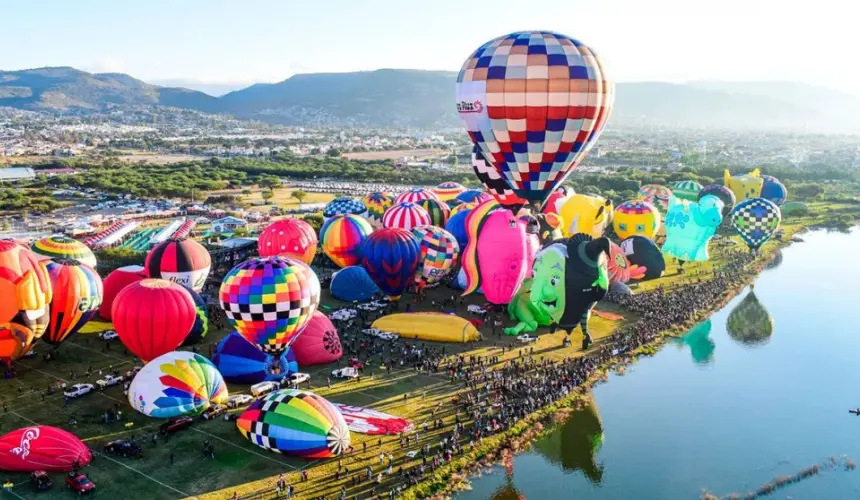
x=297, y=423
x=240, y=362
x=175, y=384
x=344, y=206
x=437, y=210
x=290, y=238
x=63, y=247
x=636, y=217
x=534, y=142
x=42, y=447
x=269, y=300
x=201, y=320
x=448, y=190
x=153, y=317
x=726, y=195
x=457, y=227
x=377, y=203
x=77, y=294
x=353, y=284
x=114, y=283
x=25, y=297
x=183, y=261
x=642, y=252
x=686, y=190
x=439, y=254
x=587, y=214
x=341, y=237
x=690, y=227
x=390, y=257
x=756, y=220
x=656, y=195
x=495, y=257
x=319, y=343
x=413, y=196
x=406, y=215
x=773, y=190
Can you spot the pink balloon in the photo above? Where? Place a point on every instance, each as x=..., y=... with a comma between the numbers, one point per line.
x=319, y=343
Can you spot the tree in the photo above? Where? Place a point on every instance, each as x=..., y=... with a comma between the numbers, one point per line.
x=332, y=152
x=267, y=194
x=299, y=195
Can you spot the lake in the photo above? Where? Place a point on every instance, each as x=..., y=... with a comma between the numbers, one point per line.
x=761, y=389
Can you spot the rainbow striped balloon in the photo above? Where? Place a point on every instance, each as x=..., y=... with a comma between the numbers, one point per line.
x=439, y=253
x=341, y=237
x=77, y=296
x=448, y=190
x=406, y=215
x=657, y=195
x=177, y=383
x=63, y=247
x=297, y=423
x=438, y=211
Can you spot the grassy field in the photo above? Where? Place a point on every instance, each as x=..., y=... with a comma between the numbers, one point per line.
x=177, y=469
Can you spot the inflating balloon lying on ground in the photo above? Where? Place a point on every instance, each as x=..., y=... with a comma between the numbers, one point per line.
x=42, y=447
x=353, y=284
x=433, y=327
x=690, y=227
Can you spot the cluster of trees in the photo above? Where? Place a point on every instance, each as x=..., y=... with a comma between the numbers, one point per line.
x=30, y=201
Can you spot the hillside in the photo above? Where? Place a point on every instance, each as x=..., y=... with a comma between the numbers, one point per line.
x=424, y=99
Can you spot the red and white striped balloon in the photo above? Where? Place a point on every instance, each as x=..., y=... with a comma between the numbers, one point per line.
x=406, y=215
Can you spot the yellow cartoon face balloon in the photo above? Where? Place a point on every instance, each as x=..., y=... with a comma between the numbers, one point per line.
x=636, y=217
x=587, y=214
x=744, y=186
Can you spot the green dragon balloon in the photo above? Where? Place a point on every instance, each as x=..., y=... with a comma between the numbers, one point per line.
x=570, y=277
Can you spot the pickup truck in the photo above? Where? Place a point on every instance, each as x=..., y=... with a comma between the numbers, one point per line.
x=347, y=372
x=78, y=390
x=109, y=380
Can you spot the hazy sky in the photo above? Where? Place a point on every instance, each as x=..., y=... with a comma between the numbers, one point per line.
x=239, y=42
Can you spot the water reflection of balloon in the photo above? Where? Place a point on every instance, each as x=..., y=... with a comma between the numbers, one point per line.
x=699, y=340
x=575, y=445
x=749, y=323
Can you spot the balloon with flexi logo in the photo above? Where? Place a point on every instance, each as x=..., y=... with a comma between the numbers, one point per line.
x=495, y=257
x=42, y=447
x=535, y=102
x=756, y=220
x=183, y=261
x=690, y=227
x=390, y=257
x=25, y=297
x=439, y=254
x=77, y=296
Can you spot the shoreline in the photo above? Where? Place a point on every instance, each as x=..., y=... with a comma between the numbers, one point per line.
x=454, y=476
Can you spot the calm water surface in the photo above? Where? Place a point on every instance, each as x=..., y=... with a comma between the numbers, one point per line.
x=760, y=390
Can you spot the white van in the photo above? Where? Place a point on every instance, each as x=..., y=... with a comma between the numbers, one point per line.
x=264, y=388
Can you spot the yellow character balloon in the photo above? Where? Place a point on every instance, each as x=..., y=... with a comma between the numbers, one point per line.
x=636, y=217
x=587, y=214
x=744, y=186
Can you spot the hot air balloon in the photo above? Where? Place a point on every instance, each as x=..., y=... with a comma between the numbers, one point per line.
x=575, y=444
x=201, y=320
x=177, y=383
x=546, y=226
x=319, y=344
x=494, y=183
x=439, y=253
x=749, y=323
x=587, y=214
x=77, y=295
x=342, y=236
x=377, y=203
x=690, y=227
x=183, y=261
x=619, y=267
x=438, y=211
x=344, y=205
x=535, y=103
x=115, y=282
x=570, y=277
x=63, y=247
x=406, y=215
x=297, y=423
x=773, y=190
x=390, y=257
x=745, y=186
x=656, y=195
x=473, y=196
x=413, y=196
x=353, y=284
x=288, y=237
x=455, y=209
x=723, y=193
x=153, y=317
x=686, y=190
x=636, y=217
x=240, y=362
x=642, y=252
x=270, y=300
x=456, y=225
x=495, y=257
x=448, y=190
x=42, y=447
x=25, y=296
x=756, y=220
x=556, y=200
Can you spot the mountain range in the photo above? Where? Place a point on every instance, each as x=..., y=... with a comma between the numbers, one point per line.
x=424, y=99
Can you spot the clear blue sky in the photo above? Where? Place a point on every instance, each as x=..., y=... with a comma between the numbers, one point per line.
x=245, y=41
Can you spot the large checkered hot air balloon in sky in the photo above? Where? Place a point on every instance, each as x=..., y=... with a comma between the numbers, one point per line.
x=270, y=300
x=756, y=220
x=535, y=103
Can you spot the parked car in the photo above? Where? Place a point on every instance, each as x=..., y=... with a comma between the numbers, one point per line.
x=348, y=372
x=108, y=335
x=527, y=339
x=78, y=390
x=263, y=388
x=79, y=482
x=239, y=400
x=124, y=449
x=175, y=425
x=213, y=411
x=41, y=480
x=109, y=380
x=297, y=378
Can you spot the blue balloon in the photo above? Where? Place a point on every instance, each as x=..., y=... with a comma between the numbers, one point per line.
x=460, y=282
x=352, y=284
x=239, y=361
x=390, y=257
x=690, y=226
x=469, y=195
x=773, y=190
x=456, y=225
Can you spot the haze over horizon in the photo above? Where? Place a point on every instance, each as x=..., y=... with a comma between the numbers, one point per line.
x=188, y=44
